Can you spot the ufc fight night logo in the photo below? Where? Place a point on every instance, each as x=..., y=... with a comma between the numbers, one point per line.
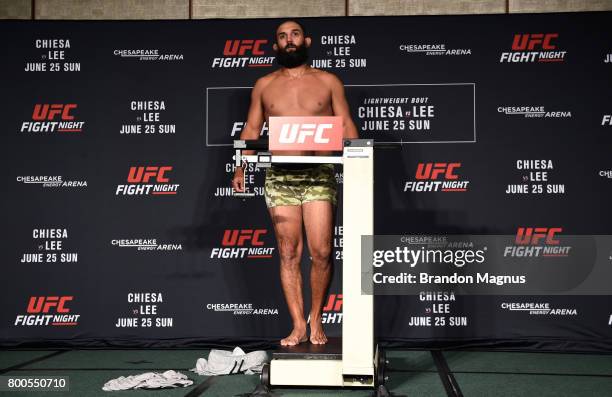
x=242, y=243
x=437, y=177
x=53, y=118
x=533, y=236
x=148, y=180
x=533, y=242
x=239, y=238
x=242, y=47
x=306, y=133
x=332, y=310
x=244, y=53
x=44, y=304
x=48, y=310
x=534, y=47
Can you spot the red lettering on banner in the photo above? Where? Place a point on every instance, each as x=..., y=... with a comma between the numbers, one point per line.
x=233, y=237
x=527, y=41
x=48, y=112
x=44, y=304
x=144, y=174
x=240, y=47
x=334, y=303
x=532, y=236
x=433, y=170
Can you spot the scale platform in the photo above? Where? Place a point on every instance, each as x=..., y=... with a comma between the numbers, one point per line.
x=314, y=365
x=332, y=350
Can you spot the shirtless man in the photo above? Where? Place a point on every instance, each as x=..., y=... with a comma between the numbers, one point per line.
x=297, y=193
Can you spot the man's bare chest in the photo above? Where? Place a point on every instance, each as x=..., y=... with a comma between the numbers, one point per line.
x=296, y=98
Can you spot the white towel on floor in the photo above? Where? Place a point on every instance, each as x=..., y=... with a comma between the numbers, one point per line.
x=148, y=380
x=225, y=362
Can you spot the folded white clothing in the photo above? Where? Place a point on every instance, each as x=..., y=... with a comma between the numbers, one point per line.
x=148, y=380
x=225, y=362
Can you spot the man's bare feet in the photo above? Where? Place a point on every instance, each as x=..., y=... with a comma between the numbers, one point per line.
x=297, y=336
x=317, y=336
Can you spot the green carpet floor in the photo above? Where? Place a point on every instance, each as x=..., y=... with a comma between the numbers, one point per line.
x=411, y=373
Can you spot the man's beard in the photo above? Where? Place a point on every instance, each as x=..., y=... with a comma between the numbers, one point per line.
x=294, y=58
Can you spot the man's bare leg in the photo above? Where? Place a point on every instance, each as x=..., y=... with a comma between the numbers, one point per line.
x=318, y=221
x=287, y=221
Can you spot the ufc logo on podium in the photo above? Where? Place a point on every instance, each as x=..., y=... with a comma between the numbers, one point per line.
x=431, y=171
x=48, y=112
x=144, y=174
x=42, y=304
x=240, y=47
x=322, y=133
x=527, y=41
x=532, y=236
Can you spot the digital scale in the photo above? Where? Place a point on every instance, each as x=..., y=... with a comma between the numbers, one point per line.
x=353, y=360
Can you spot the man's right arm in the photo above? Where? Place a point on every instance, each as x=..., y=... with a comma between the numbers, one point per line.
x=251, y=130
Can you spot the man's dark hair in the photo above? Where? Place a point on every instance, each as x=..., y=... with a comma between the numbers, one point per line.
x=301, y=25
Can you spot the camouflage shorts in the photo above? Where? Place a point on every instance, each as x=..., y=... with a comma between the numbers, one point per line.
x=294, y=187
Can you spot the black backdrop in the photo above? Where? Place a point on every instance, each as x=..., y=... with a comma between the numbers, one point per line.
x=73, y=273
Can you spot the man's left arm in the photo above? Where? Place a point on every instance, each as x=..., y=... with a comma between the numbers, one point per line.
x=341, y=108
